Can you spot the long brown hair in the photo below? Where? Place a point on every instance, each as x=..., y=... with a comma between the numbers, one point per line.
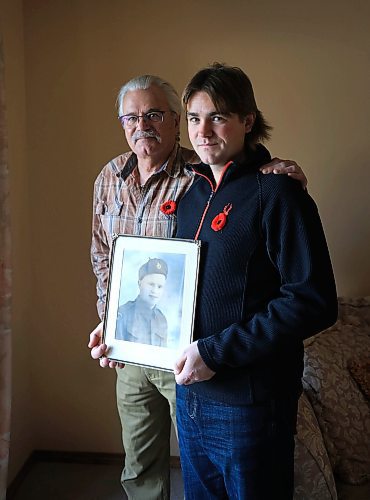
x=231, y=91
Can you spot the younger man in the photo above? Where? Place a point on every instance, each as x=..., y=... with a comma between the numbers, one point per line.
x=265, y=284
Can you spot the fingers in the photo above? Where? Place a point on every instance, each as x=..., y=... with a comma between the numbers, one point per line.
x=292, y=174
x=180, y=370
x=104, y=362
x=269, y=167
x=98, y=351
x=179, y=365
x=115, y=364
x=188, y=365
x=184, y=378
x=279, y=166
x=285, y=167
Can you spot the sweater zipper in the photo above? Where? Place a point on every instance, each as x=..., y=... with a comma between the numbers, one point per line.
x=213, y=192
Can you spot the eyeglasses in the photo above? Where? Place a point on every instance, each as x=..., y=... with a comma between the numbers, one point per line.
x=130, y=121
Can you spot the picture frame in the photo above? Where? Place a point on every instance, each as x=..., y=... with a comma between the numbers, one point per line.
x=151, y=299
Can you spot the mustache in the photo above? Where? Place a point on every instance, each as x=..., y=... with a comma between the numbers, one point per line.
x=144, y=134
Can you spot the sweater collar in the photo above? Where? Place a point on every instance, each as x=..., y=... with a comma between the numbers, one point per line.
x=252, y=159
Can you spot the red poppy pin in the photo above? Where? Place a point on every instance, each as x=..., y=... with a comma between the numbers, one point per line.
x=168, y=207
x=220, y=220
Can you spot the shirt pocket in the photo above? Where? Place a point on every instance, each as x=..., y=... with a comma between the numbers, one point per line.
x=110, y=217
x=166, y=225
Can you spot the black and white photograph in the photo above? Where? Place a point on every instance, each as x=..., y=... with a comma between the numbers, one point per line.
x=151, y=299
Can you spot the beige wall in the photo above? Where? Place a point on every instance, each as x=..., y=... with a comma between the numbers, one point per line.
x=311, y=76
x=11, y=25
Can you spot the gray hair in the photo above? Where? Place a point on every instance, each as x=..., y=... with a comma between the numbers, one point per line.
x=143, y=83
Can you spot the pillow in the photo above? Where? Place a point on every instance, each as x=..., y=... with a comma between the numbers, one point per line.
x=341, y=408
x=360, y=371
x=354, y=311
x=313, y=474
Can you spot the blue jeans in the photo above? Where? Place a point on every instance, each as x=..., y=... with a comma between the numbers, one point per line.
x=236, y=452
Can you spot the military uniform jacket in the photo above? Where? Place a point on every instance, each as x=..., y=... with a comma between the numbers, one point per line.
x=137, y=322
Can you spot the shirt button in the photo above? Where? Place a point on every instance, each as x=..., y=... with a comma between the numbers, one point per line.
x=140, y=220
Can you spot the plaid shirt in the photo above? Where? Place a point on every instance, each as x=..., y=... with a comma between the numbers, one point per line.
x=122, y=206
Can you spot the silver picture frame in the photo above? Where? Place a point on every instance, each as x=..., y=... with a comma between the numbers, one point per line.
x=151, y=300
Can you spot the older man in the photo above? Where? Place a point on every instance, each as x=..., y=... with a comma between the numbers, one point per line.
x=129, y=197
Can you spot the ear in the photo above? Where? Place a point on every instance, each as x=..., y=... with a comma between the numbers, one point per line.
x=177, y=126
x=177, y=121
x=249, y=122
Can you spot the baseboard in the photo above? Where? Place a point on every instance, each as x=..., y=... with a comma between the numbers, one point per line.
x=22, y=473
x=77, y=457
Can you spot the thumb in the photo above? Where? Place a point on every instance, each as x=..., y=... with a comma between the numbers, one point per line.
x=96, y=336
x=179, y=364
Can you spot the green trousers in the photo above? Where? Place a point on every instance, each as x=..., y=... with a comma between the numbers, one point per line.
x=146, y=401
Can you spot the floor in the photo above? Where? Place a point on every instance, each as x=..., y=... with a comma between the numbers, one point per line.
x=74, y=481
x=52, y=480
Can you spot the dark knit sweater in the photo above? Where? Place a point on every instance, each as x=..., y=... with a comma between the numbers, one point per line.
x=265, y=284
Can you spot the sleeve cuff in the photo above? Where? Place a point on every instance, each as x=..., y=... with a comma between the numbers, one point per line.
x=205, y=355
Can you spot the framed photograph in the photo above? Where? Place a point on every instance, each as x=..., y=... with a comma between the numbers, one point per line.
x=151, y=300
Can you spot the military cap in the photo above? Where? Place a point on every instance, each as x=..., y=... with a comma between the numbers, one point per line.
x=153, y=266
